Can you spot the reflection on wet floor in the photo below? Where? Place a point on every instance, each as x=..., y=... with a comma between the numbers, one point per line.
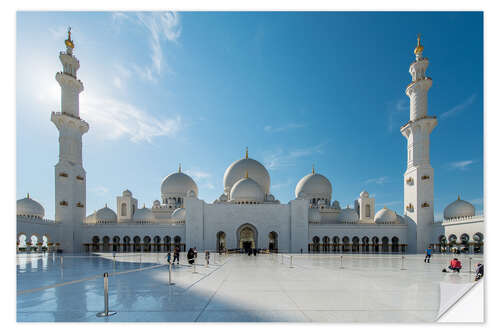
x=319, y=288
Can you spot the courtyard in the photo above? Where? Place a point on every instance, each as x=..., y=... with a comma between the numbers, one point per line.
x=235, y=288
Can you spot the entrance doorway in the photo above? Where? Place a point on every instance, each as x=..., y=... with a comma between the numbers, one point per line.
x=247, y=237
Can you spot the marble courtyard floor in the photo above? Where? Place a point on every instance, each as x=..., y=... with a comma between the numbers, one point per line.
x=236, y=288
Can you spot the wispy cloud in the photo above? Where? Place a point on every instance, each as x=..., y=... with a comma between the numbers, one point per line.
x=100, y=190
x=396, y=110
x=286, y=127
x=477, y=201
x=282, y=159
x=160, y=26
x=59, y=32
x=460, y=165
x=389, y=203
x=278, y=186
x=114, y=119
x=456, y=109
x=198, y=174
x=378, y=180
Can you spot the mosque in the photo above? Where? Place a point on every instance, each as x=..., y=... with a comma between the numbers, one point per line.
x=246, y=215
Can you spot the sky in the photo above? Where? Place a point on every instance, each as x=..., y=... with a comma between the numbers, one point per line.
x=296, y=88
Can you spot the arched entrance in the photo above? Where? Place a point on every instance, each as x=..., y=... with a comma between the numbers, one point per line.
x=273, y=241
x=247, y=237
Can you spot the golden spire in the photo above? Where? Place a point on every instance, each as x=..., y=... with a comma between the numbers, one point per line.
x=28, y=196
x=179, y=167
x=246, y=174
x=106, y=205
x=420, y=47
x=313, y=171
x=459, y=197
x=246, y=153
x=69, y=43
x=144, y=206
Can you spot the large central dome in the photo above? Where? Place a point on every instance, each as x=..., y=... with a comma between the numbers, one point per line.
x=238, y=169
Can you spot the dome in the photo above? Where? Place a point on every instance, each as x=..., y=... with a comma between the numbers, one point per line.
x=364, y=194
x=459, y=208
x=255, y=169
x=178, y=215
x=348, y=215
x=30, y=207
x=385, y=216
x=314, y=185
x=178, y=184
x=156, y=203
x=127, y=193
x=336, y=204
x=314, y=215
x=90, y=218
x=247, y=189
x=105, y=214
x=143, y=214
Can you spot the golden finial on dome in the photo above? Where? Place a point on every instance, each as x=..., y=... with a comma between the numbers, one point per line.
x=246, y=174
x=28, y=196
x=246, y=153
x=69, y=43
x=106, y=205
x=144, y=206
x=420, y=47
x=459, y=197
x=179, y=167
x=313, y=171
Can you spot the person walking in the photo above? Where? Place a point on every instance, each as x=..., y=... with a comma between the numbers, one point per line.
x=428, y=254
x=190, y=256
x=207, y=257
x=168, y=257
x=176, y=254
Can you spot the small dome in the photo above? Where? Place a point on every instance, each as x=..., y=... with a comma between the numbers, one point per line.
x=156, y=203
x=30, y=207
x=336, y=204
x=247, y=189
x=314, y=215
x=179, y=215
x=271, y=197
x=401, y=219
x=105, y=214
x=459, y=208
x=348, y=215
x=386, y=216
x=314, y=185
x=90, y=218
x=237, y=170
x=364, y=194
x=178, y=184
x=127, y=193
x=143, y=214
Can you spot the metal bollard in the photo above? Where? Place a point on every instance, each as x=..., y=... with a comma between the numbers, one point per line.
x=402, y=263
x=106, y=312
x=170, y=275
x=206, y=262
x=62, y=261
x=194, y=267
x=282, y=259
x=341, y=262
x=291, y=261
x=470, y=265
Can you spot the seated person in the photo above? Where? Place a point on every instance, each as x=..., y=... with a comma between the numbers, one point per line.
x=479, y=271
x=455, y=265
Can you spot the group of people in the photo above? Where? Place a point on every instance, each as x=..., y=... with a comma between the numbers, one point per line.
x=250, y=251
x=177, y=251
x=456, y=265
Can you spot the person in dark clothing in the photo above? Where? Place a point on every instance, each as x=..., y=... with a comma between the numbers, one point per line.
x=190, y=256
x=479, y=271
x=428, y=254
x=176, y=254
x=254, y=252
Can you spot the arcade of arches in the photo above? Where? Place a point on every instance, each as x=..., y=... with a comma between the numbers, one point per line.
x=464, y=243
x=134, y=244
x=35, y=243
x=358, y=245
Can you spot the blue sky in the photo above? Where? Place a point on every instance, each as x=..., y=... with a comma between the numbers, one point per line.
x=297, y=88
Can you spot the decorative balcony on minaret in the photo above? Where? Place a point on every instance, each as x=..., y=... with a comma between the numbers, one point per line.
x=70, y=178
x=419, y=192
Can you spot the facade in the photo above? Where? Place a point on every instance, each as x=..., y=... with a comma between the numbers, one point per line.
x=246, y=215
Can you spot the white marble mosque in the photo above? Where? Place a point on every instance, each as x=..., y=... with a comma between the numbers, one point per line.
x=246, y=215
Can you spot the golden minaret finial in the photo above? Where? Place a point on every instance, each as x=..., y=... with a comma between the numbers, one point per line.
x=420, y=47
x=69, y=43
x=246, y=153
x=459, y=197
x=313, y=171
x=144, y=205
x=28, y=196
x=179, y=167
x=246, y=174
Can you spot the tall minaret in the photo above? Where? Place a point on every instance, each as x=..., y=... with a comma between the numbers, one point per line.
x=419, y=175
x=70, y=179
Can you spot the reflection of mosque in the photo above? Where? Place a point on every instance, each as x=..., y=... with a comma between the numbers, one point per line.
x=246, y=214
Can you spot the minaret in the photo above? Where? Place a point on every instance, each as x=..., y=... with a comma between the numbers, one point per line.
x=70, y=178
x=419, y=175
